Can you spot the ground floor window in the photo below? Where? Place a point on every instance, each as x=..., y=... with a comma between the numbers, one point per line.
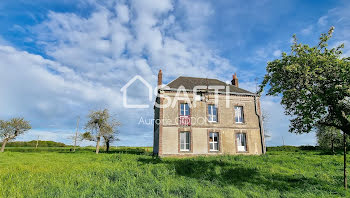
x=241, y=142
x=214, y=141
x=185, y=141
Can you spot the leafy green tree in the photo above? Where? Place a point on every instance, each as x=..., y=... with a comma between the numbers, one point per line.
x=12, y=128
x=329, y=138
x=101, y=125
x=314, y=83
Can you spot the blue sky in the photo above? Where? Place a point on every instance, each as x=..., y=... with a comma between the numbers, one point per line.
x=60, y=59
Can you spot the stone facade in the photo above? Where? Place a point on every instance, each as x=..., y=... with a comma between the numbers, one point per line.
x=167, y=127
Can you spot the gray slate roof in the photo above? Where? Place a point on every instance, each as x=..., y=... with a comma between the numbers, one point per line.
x=190, y=82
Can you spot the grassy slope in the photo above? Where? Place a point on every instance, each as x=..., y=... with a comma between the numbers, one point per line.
x=84, y=174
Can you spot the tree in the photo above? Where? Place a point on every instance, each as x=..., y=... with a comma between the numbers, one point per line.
x=329, y=138
x=76, y=135
x=101, y=125
x=265, y=116
x=12, y=128
x=315, y=86
x=109, y=138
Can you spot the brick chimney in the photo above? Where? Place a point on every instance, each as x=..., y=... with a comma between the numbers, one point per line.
x=234, y=80
x=160, y=77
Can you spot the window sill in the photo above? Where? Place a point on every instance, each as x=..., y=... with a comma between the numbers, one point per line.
x=185, y=151
x=241, y=123
x=242, y=152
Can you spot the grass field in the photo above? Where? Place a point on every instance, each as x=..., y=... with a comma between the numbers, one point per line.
x=132, y=172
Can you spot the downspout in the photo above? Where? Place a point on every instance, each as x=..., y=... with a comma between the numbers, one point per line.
x=154, y=128
x=262, y=139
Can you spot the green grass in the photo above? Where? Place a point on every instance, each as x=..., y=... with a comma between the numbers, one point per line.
x=68, y=149
x=132, y=172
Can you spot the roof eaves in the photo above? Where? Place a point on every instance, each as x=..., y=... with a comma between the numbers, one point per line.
x=220, y=92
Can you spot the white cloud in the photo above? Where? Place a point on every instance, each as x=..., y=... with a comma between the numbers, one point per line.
x=123, y=13
x=339, y=17
x=322, y=20
x=277, y=53
x=250, y=86
x=3, y=41
x=307, y=30
x=91, y=57
x=107, y=42
x=266, y=53
x=44, y=90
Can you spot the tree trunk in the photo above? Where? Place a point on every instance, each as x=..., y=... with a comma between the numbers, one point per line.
x=345, y=179
x=37, y=143
x=3, y=145
x=98, y=145
x=333, y=146
x=107, y=146
x=76, y=134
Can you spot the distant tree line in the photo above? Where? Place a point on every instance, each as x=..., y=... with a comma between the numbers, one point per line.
x=34, y=142
x=293, y=148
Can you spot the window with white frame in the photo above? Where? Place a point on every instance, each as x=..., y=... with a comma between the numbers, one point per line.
x=184, y=109
x=185, y=144
x=241, y=140
x=214, y=141
x=239, y=114
x=212, y=113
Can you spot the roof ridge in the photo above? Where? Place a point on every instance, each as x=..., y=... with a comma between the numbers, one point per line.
x=200, y=78
x=190, y=82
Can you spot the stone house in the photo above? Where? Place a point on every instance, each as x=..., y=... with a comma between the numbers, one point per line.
x=200, y=116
